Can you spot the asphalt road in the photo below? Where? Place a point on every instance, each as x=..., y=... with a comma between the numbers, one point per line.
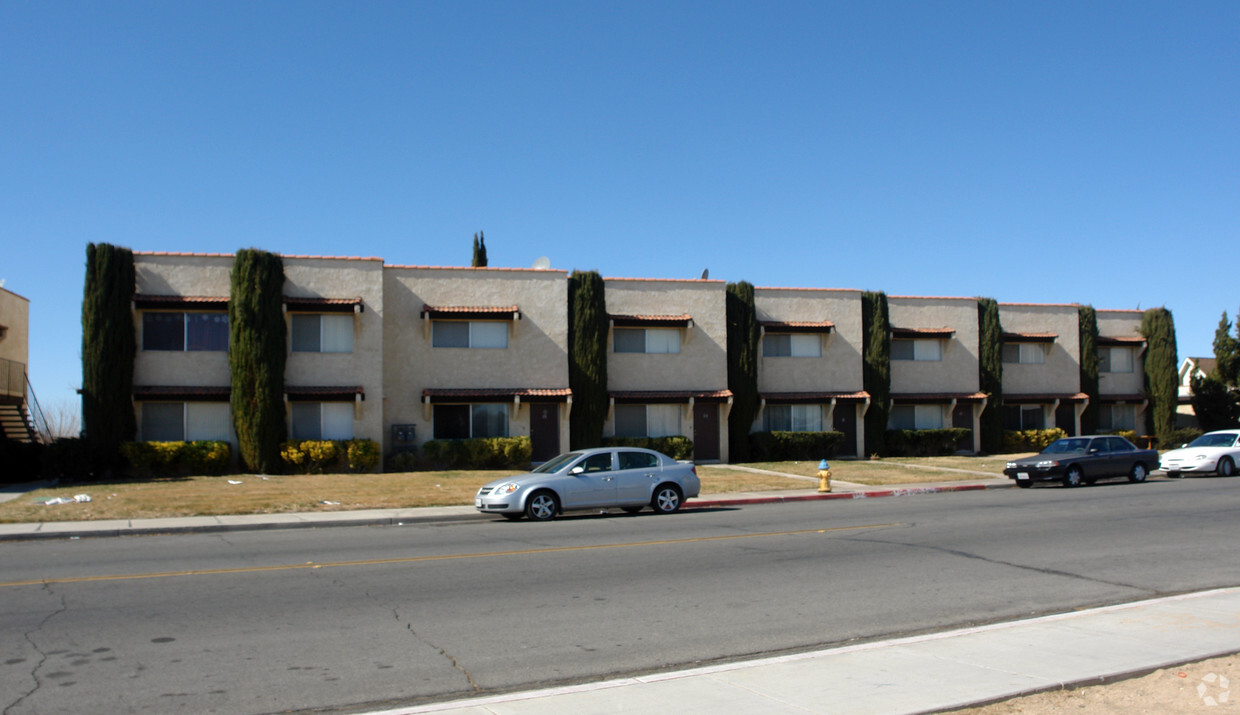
x=351, y=617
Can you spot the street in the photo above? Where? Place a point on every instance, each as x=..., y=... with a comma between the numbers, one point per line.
x=342, y=618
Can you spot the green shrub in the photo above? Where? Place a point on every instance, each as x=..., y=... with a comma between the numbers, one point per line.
x=480, y=453
x=21, y=460
x=362, y=454
x=678, y=447
x=68, y=459
x=1030, y=440
x=925, y=442
x=1130, y=435
x=402, y=462
x=313, y=456
x=178, y=459
x=780, y=446
x=1178, y=437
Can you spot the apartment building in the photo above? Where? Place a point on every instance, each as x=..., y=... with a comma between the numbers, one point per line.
x=1041, y=367
x=667, y=362
x=15, y=417
x=1121, y=371
x=934, y=365
x=809, y=363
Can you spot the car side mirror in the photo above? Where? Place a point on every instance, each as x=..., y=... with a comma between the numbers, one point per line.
x=1184, y=445
x=577, y=470
x=1093, y=450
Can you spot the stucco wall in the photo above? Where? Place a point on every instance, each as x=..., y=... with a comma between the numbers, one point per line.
x=839, y=369
x=536, y=356
x=197, y=275
x=702, y=363
x=1061, y=371
x=1122, y=324
x=15, y=316
x=957, y=371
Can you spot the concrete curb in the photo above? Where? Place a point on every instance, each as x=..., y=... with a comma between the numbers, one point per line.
x=903, y=492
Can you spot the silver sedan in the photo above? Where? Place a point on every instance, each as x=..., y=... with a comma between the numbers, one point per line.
x=627, y=477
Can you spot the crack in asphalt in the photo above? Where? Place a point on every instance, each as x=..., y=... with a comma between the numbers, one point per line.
x=997, y=562
x=451, y=658
x=29, y=635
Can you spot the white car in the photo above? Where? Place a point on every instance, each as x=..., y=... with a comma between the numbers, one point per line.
x=1211, y=453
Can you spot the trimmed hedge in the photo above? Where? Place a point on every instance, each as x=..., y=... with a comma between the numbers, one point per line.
x=406, y=461
x=678, y=447
x=1178, y=437
x=482, y=453
x=1130, y=435
x=325, y=455
x=924, y=442
x=177, y=459
x=1030, y=440
x=782, y=446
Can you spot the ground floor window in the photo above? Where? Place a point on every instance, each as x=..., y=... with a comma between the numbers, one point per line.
x=471, y=421
x=1112, y=418
x=321, y=420
x=1024, y=417
x=793, y=418
x=186, y=421
x=916, y=417
x=647, y=421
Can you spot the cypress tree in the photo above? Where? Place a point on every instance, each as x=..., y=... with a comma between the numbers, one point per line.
x=1087, y=322
x=108, y=350
x=1226, y=352
x=480, y=251
x=256, y=356
x=1215, y=406
x=990, y=373
x=1161, y=378
x=876, y=367
x=587, y=361
x=742, y=323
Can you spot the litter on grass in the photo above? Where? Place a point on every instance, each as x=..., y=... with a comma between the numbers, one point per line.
x=330, y=503
x=233, y=481
x=52, y=501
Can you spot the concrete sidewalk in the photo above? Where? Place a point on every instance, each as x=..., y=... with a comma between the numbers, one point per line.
x=393, y=517
x=921, y=674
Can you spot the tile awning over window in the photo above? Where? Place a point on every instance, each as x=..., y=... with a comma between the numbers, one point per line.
x=940, y=333
x=1123, y=398
x=490, y=394
x=668, y=396
x=181, y=393
x=797, y=326
x=180, y=302
x=1029, y=337
x=924, y=398
x=470, y=312
x=1039, y=398
x=325, y=393
x=324, y=305
x=683, y=320
x=1136, y=340
x=802, y=398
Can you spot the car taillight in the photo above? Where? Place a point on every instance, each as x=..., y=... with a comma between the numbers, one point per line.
x=693, y=469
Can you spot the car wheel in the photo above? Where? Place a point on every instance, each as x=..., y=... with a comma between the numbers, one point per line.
x=632, y=509
x=1226, y=467
x=1024, y=483
x=1138, y=473
x=542, y=506
x=1073, y=477
x=666, y=499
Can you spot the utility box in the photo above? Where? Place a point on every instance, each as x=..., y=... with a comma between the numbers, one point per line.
x=404, y=438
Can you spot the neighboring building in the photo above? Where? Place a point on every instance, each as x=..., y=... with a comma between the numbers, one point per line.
x=15, y=398
x=809, y=363
x=1190, y=367
x=667, y=362
x=1121, y=371
x=934, y=366
x=1041, y=367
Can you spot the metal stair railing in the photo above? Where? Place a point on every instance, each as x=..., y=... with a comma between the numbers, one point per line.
x=39, y=428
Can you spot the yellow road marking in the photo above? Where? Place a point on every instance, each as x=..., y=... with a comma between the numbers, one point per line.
x=418, y=559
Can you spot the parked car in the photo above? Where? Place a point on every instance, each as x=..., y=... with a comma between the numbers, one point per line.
x=1073, y=460
x=1211, y=453
x=625, y=477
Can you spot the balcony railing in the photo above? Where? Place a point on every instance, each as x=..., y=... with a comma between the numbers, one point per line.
x=12, y=378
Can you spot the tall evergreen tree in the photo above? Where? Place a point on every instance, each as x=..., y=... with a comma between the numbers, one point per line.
x=1161, y=377
x=1087, y=321
x=587, y=362
x=256, y=357
x=1227, y=352
x=108, y=350
x=742, y=323
x=480, y=251
x=1215, y=406
x=990, y=373
x=876, y=367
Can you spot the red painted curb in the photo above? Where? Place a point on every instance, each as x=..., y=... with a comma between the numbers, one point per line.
x=910, y=491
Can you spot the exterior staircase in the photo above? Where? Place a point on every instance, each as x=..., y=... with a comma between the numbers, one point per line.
x=15, y=423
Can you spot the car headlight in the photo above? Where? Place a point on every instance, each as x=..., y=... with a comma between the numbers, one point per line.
x=1048, y=463
x=508, y=488
x=1202, y=457
x=1010, y=465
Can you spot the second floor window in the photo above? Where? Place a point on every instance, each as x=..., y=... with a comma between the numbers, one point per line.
x=469, y=334
x=664, y=341
x=185, y=331
x=1114, y=359
x=791, y=345
x=917, y=349
x=1024, y=353
x=313, y=333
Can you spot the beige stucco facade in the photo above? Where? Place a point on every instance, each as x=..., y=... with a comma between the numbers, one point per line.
x=1119, y=331
x=1054, y=384
x=14, y=344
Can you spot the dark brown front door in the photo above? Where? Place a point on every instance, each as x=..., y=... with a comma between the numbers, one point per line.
x=705, y=432
x=962, y=417
x=544, y=431
x=845, y=420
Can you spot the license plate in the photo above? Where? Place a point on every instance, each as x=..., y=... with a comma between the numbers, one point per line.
x=1022, y=476
x=477, y=503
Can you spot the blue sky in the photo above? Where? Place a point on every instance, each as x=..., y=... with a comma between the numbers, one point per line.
x=1049, y=152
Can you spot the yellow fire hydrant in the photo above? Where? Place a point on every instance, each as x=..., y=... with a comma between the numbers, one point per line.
x=824, y=477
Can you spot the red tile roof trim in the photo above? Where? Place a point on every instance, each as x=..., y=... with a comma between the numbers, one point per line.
x=181, y=393
x=538, y=394
x=466, y=312
x=1117, y=340
x=664, y=396
x=925, y=397
x=1122, y=398
x=1029, y=337
x=474, y=268
x=797, y=326
x=813, y=397
x=628, y=321
x=922, y=332
x=323, y=393
x=804, y=289
x=1045, y=397
x=324, y=305
x=664, y=280
x=190, y=254
x=166, y=302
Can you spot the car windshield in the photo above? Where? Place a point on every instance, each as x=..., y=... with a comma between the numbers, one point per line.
x=555, y=464
x=1214, y=440
x=1061, y=446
